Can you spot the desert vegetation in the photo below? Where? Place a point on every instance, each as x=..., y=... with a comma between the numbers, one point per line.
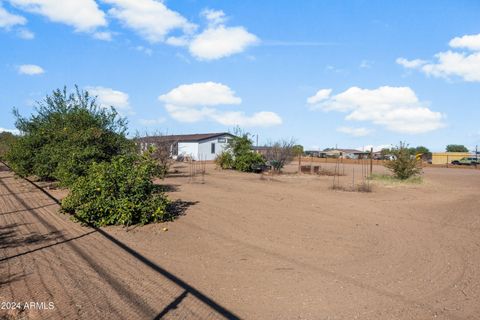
x=239, y=155
x=281, y=152
x=6, y=140
x=71, y=139
x=404, y=165
x=119, y=192
x=66, y=134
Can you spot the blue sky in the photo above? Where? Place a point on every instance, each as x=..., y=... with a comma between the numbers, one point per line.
x=346, y=73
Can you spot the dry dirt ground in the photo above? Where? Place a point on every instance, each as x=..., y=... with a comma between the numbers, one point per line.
x=286, y=247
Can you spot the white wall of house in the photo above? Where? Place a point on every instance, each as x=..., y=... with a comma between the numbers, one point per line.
x=203, y=150
x=205, y=147
x=189, y=149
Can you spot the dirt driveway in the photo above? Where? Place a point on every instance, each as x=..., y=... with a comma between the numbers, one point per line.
x=281, y=248
x=52, y=268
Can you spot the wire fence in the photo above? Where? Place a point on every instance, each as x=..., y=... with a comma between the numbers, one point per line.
x=86, y=272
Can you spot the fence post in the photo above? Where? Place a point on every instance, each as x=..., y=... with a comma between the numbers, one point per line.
x=371, y=161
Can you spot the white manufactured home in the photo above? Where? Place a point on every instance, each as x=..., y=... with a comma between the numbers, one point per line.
x=204, y=146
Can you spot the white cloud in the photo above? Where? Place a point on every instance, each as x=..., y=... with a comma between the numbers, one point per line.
x=30, y=69
x=181, y=41
x=152, y=122
x=26, y=34
x=217, y=40
x=108, y=97
x=145, y=50
x=197, y=102
x=465, y=65
x=150, y=18
x=203, y=94
x=214, y=17
x=471, y=42
x=14, y=131
x=83, y=15
x=220, y=41
x=410, y=64
x=366, y=64
x=395, y=108
x=321, y=95
x=356, y=132
x=103, y=35
x=8, y=20
x=258, y=119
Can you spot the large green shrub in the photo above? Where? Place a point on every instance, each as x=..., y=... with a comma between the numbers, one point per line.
x=224, y=160
x=404, y=165
x=120, y=192
x=65, y=136
x=239, y=154
x=247, y=161
x=6, y=140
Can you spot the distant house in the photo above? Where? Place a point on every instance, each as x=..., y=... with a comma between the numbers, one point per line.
x=314, y=153
x=263, y=150
x=346, y=153
x=195, y=146
x=448, y=157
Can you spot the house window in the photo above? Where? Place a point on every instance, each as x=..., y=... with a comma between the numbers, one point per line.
x=222, y=140
x=213, y=147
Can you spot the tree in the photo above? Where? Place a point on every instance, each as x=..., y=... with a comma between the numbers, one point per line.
x=6, y=140
x=385, y=151
x=456, y=148
x=161, y=149
x=404, y=165
x=419, y=150
x=298, y=150
x=280, y=153
x=422, y=150
x=67, y=133
x=239, y=154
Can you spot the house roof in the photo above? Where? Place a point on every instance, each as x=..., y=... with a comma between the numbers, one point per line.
x=345, y=151
x=183, y=137
x=260, y=148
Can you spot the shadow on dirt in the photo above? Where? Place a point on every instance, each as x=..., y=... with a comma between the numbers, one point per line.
x=168, y=187
x=11, y=238
x=179, y=208
x=203, y=302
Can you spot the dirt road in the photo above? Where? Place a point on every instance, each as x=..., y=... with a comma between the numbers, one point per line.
x=281, y=248
x=73, y=272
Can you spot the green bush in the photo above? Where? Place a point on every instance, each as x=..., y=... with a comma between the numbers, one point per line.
x=245, y=162
x=67, y=134
x=6, y=140
x=239, y=154
x=404, y=164
x=224, y=160
x=120, y=192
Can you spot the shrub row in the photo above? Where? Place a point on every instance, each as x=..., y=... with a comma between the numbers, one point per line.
x=83, y=146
